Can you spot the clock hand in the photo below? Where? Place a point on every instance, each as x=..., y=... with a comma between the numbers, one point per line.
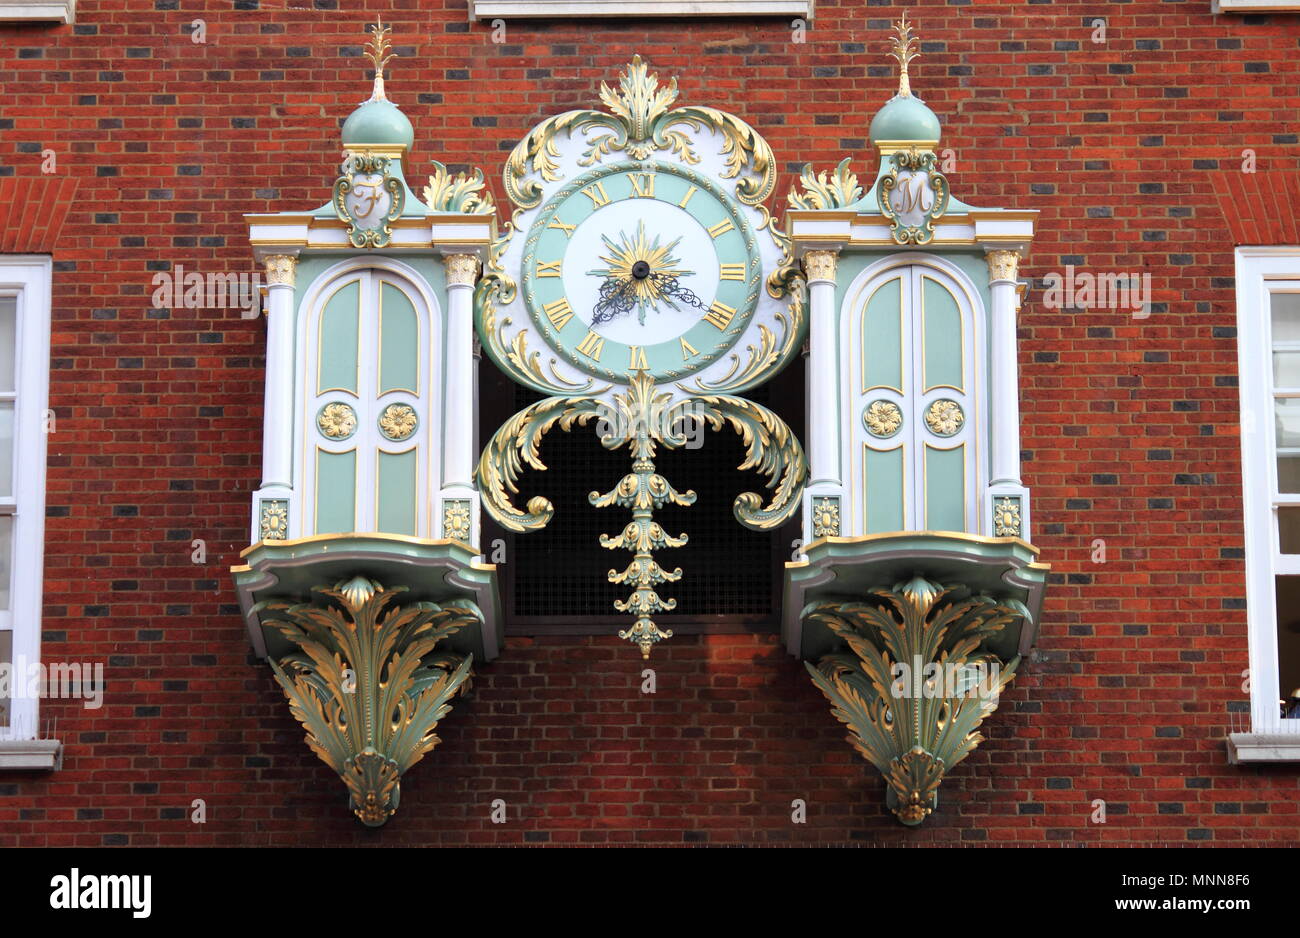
x=670, y=288
x=615, y=299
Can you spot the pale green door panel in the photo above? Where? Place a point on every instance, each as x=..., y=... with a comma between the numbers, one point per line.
x=336, y=487
x=399, y=342
x=882, y=321
x=884, y=476
x=396, y=492
x=337, y=348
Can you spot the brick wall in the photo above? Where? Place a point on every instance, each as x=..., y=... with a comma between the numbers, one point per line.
x=1129, y=426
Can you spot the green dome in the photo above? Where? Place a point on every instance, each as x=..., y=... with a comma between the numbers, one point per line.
x=904, y=118
x=378, y=122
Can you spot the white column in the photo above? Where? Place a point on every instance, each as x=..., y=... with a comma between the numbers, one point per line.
x=1004, y=408
x=458, y=452
x=277, y=422
x=823, y=428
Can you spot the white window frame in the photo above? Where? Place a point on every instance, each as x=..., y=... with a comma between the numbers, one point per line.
x=28, y=277
x=1260, y=271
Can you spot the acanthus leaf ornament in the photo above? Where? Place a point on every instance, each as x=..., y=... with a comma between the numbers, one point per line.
x=913, y=195
x=368, y=684
x=840, y=190
x=914, y=727
x=461, y=194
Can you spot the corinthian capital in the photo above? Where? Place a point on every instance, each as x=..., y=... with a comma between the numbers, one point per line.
x=280, y=269
x=819, y=265
x=461, y=269
x=1002, y=265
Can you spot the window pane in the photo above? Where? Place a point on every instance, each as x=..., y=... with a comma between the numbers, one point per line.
x=1288, y=473
x=7, y=448
x=6, y=657
x=8, y=323
x=1286, y=317
x=6, y=557
x=1286, y=369
x=1286, y=413
x=1288, y=641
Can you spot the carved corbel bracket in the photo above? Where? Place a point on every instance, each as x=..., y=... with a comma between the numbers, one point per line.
x=367, y=684
x=916, y=680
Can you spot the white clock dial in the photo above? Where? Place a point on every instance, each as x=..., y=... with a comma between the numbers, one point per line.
x=674, y=247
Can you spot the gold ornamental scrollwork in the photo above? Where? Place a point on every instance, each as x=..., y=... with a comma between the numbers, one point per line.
x=826, y=517
x=273, y=525
x=641, y=121
x=643, y=418
x=838, y=190
x=461, y=194
x=1006, y=517
x=368, y=684
x=456, y=519
x=913, y=685
x=281, y=269
x=1003, y=265
x=913, y=195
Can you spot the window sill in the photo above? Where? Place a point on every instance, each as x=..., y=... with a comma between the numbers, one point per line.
x=1254, y=6
x=1250, y=748
x=566, y=9
x=38, y=11
x=31, y=755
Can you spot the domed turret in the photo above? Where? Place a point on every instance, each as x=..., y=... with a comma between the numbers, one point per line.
x=378, y=122
x=905, y=117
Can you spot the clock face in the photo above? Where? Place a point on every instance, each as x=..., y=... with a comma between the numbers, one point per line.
x=641, y=266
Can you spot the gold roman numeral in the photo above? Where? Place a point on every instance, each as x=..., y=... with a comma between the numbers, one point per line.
x=637, y=358
x=592, y=346
x=731, y=272
x=720, y=315
x=687, y=197
x=645, y=187
x=722, y=228
x=596, y=192
x=552, y=269
x=688, y=350
x=567, y=229
x=559, y=312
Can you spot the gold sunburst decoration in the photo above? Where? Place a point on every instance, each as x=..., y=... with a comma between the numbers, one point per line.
x=647, y=291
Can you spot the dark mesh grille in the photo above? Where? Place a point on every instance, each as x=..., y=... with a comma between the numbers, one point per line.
x=561, y=570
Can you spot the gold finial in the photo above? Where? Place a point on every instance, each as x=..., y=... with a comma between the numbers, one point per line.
x=379, y=55
x=902, y=48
